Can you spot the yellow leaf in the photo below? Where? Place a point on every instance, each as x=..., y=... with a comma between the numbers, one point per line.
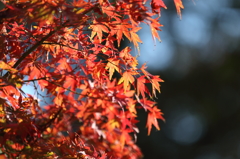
x=126, y=79
x=80, y=11
x=112, y=65
x=5, y=66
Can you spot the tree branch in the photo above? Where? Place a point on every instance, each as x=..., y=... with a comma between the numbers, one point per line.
x=25, y=54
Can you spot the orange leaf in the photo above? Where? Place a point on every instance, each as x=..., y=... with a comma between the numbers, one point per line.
x=153, y=115
x=2, y=156
x=121, y=27
x=155, y=84
x=134, y=36
x=110, y=11
x=126, y=79
x=154, y=26
x=97, y=29
x=70, y=82
x=64, y=65
x=58, y=100
x=179, y=6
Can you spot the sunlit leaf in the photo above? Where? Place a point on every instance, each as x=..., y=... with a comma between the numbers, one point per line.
x=126, y=79
x=179, y=6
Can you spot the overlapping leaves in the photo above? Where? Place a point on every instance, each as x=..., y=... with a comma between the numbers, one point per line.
x=68, y=50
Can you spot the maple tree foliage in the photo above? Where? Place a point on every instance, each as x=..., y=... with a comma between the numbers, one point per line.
x=70, y=49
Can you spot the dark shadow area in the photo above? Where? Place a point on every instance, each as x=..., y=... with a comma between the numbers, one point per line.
x=202, y=112
x=200, y=97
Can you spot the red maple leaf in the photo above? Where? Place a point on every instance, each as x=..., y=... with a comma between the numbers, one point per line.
x=157, y=5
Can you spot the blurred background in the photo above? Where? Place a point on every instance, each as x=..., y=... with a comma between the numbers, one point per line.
x=199, y=59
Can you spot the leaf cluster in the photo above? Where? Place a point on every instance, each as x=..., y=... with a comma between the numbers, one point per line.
x=55, y=45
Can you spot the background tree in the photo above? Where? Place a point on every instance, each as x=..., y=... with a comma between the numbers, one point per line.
x=70, y=50
x=199, y=62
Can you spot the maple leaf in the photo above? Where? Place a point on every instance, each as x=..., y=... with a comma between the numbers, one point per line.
x=141, y=86
x=155, y=84
x=112, y=65
x=127, y=79
x=179, y=6
x=70, y=82
x=5, y=66
x=134, y=37
x=97, y=29
x=128, y=58
x=155, y=27
x=121, y=27
x=110, y=11
x=132, y=106
x=153, y=115
x=34, y=72
x=99, y=70
x=143, y=69
x=154, y=80
x=76, y=67
x=157, y=5
x=64, y=65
